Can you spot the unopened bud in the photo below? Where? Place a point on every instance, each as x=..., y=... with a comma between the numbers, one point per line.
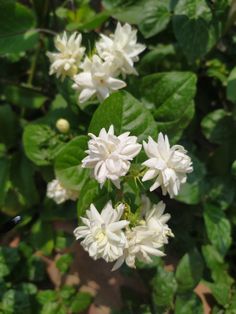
x=63, y=125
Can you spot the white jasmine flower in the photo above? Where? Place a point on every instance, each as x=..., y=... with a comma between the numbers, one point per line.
x=156, y=222
x=59, y=194
x=141, y=245
x=121, y=48
x=96, y=78
x=102, y=232
x=109, y=155
x=167, y=165
x=146, y=239
x=66, y=61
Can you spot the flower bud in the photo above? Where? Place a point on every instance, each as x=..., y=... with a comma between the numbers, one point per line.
x=63, y=125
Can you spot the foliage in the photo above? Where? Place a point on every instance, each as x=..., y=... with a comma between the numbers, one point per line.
x=186, y=88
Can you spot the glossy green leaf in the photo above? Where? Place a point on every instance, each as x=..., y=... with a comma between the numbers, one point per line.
x=16, y=24
x=24, y=97
x=198, y=25
x=188, y=304
x=41, y=144
x=164, y=288
x=218, y=126
x=189, y=271
x=126, y=114
x=68, y=164
x=218, y=228
x=151, y=16
x=172, y=95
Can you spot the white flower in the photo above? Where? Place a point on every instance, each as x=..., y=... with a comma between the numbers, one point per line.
x=67, y=60
x=59, y=194
x=121, y=49
x=102, y=232
x=167, y=165
x=156, y=222
x=96, y=78
x=109, y=155
x=146, y=239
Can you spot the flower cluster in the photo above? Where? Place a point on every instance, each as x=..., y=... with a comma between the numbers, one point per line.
x=96, y=75
x=60, y=194
x=106, y=235
x=109, y=157
x=110, y=234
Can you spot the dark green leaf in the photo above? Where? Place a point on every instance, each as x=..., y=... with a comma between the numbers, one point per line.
x=164, y=287
x=188, y=304
x=4, y=174
x=24, y=97
x=218, y=126
x=218, y=228
x=16, y=24
x=189, y=271
x=81, y=302
x=68, y=164
x=64, y=262
x=9, y=257
x=8, y=126
x=42, y=237
x=172, y=95
x=126, y=114
x=41, y=143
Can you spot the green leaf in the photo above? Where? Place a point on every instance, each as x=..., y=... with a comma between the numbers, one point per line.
x=221, y=292
x=218, y=227
x=191, y=23
x=9, y=257
x=88, y=194
x=16, y=24
x=8, y=126
x=64, y=262
x=16, y=301
x=215, y=263
x=126, y=114
x=22, y=176
x=218, y=126
x=42, y=237
x=198, y=25
x=4, y=174
x=164, y=287
x=68, y=164
x=45, y=296
x=24, y=97
x=191, y=192
x=233, y=169
x=151, y=16
x=231, y=86
x=188, y=304
x=81, y=302
x=172, y=95
x=189, y=271
x=221, y=191
x=41, y=144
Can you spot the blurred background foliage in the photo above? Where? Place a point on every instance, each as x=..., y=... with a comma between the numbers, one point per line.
x=186, y=87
